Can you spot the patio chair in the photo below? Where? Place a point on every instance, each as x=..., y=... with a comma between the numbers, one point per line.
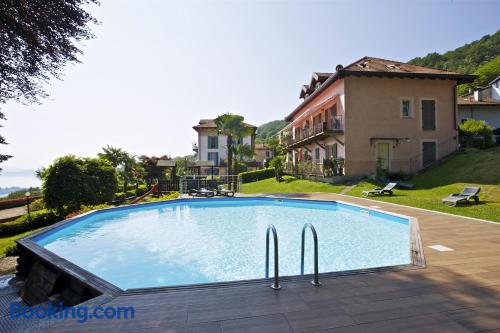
x=203, y=192
x=381, y=191
x=469, y=193
x=219, y=190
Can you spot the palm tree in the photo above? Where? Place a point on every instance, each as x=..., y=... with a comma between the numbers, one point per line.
x=122, y=160
x=241, y=152
x=232, y=126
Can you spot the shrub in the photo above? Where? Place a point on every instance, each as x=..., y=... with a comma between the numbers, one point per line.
x=476, y=133
x=253, y=176
x=71, y=182
x=278, y=164
x=141, y=189
x=170, y=196
x=130, y=193
x=120, y=196
x=85, y=209
x=37, y=205
x=24, y=223
x=12, y=251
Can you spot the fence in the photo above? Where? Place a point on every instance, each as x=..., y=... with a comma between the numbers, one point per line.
x=190, y=182
x=407, y=165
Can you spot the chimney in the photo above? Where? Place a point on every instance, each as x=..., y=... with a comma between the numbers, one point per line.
x=478, y=95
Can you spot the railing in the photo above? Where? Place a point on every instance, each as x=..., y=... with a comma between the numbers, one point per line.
x=276, y=284
x=333, y=124
x=187, y=183
x=314, y=282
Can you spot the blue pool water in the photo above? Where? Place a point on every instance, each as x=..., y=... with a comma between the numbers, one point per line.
x=215, y=240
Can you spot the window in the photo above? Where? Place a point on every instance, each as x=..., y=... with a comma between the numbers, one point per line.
x=334, y=150
x=428, y=115
x=239, y=141
x=213, y=156
x=268, y=154
x=316, y=154
x=406, y=108
x=213, y=142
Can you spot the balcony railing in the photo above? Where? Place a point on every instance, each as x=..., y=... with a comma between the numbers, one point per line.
x=334, y=124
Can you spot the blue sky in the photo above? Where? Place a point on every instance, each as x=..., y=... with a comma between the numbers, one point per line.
x=156, y=67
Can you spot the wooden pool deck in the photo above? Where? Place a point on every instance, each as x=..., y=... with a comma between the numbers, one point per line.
x=458, y=291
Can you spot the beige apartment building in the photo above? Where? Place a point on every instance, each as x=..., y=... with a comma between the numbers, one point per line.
x=375, y=113
x=211, y=147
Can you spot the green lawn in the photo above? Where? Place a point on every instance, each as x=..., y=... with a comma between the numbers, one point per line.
x=5, y=242
x=475, y=168
x=290, y=185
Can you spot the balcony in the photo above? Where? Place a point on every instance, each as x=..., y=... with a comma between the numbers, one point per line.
x=307, y=135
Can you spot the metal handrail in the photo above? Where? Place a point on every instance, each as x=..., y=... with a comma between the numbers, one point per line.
x=315, y=282
x=276, y=285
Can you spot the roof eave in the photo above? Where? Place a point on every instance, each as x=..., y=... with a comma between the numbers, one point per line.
x=460, y=78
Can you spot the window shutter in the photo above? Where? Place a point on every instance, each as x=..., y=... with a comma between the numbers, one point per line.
x=429, y=115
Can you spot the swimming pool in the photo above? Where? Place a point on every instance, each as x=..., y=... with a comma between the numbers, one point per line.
x=184, y=242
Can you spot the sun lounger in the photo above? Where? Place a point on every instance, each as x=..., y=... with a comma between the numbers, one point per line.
x=381, y=191
x=468, y=194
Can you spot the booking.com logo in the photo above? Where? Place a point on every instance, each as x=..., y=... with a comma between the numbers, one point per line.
x=79, y=313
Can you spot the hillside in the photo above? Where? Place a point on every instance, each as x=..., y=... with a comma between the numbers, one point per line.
x=465, y=59
x=471, y=168
x=269, y=129
x=480, y=57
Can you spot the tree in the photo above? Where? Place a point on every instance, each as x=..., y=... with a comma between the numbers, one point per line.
x=232, y=126
x=123, y=162
x=151, y=171
x=278, y=163
x=485, y=74
x=37, y=39
x=3, y=157
x=71, y=182
x=241, y=152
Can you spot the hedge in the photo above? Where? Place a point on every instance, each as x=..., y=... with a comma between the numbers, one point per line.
x=260, y=174
x=18, y=202
x=24, y=223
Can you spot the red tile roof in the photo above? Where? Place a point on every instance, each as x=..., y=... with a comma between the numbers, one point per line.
x=370, y=66
x=210, y=123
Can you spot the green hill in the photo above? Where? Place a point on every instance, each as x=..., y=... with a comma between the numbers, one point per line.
x=473, y=168
x=269, y=129
x=480, y=57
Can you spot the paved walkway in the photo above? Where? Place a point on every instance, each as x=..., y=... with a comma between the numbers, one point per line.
x=12, y=212
x=459, y=291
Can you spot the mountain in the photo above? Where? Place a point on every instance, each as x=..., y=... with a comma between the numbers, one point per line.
x=480, y=57
x=269, y=129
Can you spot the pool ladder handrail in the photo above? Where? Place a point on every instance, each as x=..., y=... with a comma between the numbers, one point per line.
x=314, y=282
x=276, y=284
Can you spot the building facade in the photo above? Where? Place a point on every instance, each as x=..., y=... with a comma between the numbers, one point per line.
x=211, y=146
x=483, y=103
x=374, y=114
x=263, y=154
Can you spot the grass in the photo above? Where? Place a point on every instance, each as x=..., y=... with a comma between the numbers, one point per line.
x=473, y=168
x=8, y=241
x=289, y=185
x=476, y=168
